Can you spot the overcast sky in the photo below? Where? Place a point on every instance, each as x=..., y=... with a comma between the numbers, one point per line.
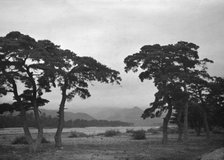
x=110, y=30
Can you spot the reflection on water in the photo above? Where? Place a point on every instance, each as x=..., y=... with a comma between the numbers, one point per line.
x=87, y=130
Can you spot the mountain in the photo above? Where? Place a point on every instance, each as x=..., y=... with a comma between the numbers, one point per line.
x=68, y=115
x=131, y=115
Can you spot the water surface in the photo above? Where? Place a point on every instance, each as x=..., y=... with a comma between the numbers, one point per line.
x=86, y=130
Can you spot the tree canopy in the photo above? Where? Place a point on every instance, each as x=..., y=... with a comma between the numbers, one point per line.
x=40, y=65
x=174, y=69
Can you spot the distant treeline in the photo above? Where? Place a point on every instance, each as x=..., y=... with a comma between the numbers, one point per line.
x=7, y=121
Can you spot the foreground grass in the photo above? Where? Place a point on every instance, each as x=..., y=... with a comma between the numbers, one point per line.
x=121, y=147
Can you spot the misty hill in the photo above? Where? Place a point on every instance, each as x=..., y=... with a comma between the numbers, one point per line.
x=68, y=115
x=130, y=115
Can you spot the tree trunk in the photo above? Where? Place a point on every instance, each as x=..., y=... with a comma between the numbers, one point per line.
x=165, y=133
x=205, y=121
x=205, y=117
x=57, y=137
x=33, y=145
x=25, y=126
x=165, y=124
x=37, y=142
x=180, y=126
x=185, y=127
x=198, y=130
x=23, y=116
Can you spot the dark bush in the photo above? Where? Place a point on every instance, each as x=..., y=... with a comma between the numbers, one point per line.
x=111, y=133
x=44, y=140
x=138, y=135
x=22, y=140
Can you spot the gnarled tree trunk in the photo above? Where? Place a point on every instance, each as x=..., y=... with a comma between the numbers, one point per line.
x=22, y=114
x=185, y=126
x=198, y=130
x=57, y=137
x=25, y=126
x=37, y=142
x=165, y=123
x=205, y=117
x=180, y=126
x=205, y=121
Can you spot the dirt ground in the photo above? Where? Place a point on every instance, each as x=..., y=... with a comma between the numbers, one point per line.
x=120, y=147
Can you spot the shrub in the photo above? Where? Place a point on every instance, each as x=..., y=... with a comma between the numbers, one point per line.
x=111, y=133
x=139, y=134
x=44, y=140
x=75, y=134
x=22, y=140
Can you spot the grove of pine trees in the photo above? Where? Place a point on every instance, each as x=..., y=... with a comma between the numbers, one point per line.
x=38, y=66
x=186, y=93
x=184, y=87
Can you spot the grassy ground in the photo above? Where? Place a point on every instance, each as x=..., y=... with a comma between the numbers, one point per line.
x=120, y=147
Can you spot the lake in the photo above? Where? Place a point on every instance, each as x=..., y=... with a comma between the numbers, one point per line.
x=86, y=130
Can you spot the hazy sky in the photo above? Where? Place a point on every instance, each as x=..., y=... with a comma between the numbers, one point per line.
x=110, y=30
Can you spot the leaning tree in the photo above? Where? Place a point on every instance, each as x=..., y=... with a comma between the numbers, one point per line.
x=157, y=63
x=72, y=75
x=187, y=59
x=171, y=67
x=199, y=90
x=22, y=73
x=215, y=100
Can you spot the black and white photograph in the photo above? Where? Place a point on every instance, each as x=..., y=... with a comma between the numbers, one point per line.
x=111, y=80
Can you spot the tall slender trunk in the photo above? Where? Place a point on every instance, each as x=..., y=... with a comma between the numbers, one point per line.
x=198, y=130
x=57, y=137
x=185, y=109
x=205, y=121
x=180, y=126
x=22, y=113
x=25, y=126
x=37, y=142
x=185, y=126
x=205, y=117
x=166, y=122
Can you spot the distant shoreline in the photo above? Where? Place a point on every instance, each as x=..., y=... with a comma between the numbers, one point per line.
x=87, y=130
